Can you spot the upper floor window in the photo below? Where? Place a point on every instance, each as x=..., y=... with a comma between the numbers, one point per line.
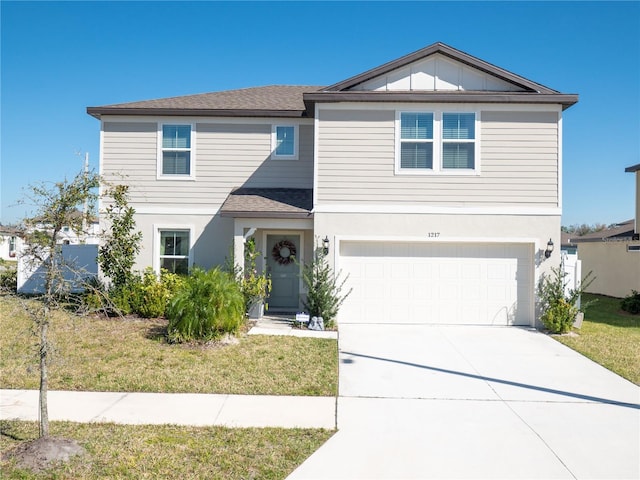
x=176, y=150
x=436, y=142
x=458, y=140
x=284, y=142
x=416, y=140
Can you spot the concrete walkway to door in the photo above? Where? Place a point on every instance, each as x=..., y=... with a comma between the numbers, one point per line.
x=475, y=403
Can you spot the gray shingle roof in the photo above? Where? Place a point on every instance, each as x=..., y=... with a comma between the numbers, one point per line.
x=269, y=203
x=619, y=231
x=269, y=100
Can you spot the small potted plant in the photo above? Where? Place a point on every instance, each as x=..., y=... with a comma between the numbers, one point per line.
x=255, y=286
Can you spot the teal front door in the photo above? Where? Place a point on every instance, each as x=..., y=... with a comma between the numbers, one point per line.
x=282, y=254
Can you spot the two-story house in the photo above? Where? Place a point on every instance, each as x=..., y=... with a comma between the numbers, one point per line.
x=434, y=180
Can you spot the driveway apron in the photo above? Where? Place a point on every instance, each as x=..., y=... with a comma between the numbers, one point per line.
x=420, y=401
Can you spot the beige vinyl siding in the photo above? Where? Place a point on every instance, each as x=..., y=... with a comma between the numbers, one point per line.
x=129, y=154
x=226, y=156
x=518, y=162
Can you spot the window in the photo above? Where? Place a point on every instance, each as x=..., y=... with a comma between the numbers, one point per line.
x=436, y=142
x=12, y=246
x=458, y=140
x=416, y=140
x=174, y=250
x=176, y=150
x=284, y=142
x=633, y=248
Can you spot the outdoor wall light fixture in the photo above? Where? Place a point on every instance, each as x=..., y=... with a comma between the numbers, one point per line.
x=549, y=250
x=325, y=245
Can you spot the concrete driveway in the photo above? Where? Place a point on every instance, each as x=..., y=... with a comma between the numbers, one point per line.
x=475, y=402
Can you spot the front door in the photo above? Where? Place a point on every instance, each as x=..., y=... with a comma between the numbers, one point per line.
x=282, y=254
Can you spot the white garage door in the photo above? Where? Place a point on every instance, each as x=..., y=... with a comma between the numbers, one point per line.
x=453, y=283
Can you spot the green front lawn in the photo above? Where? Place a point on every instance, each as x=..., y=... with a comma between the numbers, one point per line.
x=132, y=355
x=609, y=336
x=168, y=451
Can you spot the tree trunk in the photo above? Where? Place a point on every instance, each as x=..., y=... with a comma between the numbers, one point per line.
x=44, y=378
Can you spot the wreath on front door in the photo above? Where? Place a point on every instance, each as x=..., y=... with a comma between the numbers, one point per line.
x=284, y=252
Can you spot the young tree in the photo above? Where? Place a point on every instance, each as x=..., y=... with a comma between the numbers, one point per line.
x=57, y=207
x=121, y=243
x=324, y=289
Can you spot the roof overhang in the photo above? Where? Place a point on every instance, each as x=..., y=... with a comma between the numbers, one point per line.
x=633, y=168
x=566, y=100
x=97, y=112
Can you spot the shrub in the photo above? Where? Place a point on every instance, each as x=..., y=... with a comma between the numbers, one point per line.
x=8, y=277
x=207, y=305
x=120, y=300
x=324, y=289
x=631, y=303
x=150, y=294
x=559, y=317
x=559, y=311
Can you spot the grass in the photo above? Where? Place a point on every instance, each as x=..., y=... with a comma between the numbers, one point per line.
x=609, y=336
x=155, y=452
x=132, y=355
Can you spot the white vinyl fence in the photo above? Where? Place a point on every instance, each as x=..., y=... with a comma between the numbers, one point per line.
x=80, y=264
x=573, y=268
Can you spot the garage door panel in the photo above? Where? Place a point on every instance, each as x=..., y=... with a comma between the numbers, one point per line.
x=395, y=282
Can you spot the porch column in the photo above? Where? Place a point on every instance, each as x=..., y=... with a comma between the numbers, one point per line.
x=238, y=246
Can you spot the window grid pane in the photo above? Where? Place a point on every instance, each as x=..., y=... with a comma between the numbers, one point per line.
x=458, y=126
x=416, y=126
x=416, y=155
x=176, y=136
x=458, y=155
x=176, y=163
x=285, y=138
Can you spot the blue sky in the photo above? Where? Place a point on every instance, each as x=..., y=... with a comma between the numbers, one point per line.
x=57, y=58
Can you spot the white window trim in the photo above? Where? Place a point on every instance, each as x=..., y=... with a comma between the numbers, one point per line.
x=437, y=145
x=157, y=228
x=159, y=156
x=274, y=141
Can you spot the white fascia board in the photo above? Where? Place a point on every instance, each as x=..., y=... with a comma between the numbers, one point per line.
x=433, y=209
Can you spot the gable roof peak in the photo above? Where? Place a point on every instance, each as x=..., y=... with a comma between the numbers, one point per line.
x=448, y=51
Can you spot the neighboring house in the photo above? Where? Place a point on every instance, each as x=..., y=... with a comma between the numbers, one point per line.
x=10, y=242
x=613, y=254
x=68, y=236
x=434, y=179
x=636, y=170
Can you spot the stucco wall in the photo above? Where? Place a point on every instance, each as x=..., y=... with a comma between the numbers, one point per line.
x=617, y=270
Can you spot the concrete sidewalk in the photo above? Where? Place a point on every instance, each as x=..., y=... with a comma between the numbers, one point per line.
x=174, y=408
x=283, y=325
x=184, y=408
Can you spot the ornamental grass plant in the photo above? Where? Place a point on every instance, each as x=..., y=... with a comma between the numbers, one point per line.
x=208, y=304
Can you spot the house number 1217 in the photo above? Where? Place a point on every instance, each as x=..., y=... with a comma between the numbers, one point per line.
x=433, y=234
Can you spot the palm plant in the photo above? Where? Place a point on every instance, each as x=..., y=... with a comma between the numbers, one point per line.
x=208, y=304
